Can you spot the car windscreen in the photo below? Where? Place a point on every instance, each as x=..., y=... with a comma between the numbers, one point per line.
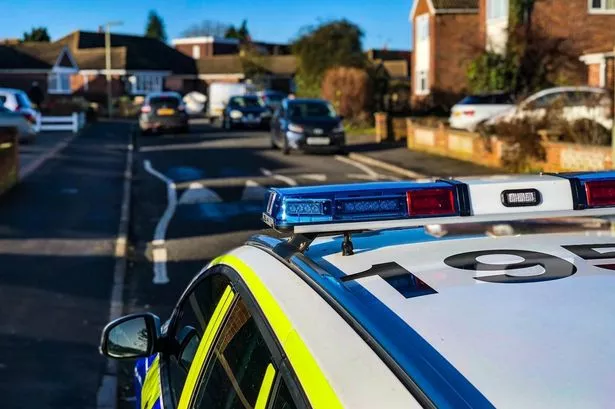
x=311, y=110
x=23, y=100
x=164, y=101
x=246, y=102
x=486, y=99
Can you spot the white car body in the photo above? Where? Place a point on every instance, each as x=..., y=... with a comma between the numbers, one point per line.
x=17, y=101
x=467, y=115
x=221, y=92
x=599, y=113
x=26, y=131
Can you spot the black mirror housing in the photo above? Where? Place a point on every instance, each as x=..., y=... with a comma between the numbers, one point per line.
x=131, y=336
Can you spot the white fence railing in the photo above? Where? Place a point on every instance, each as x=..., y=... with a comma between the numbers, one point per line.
x=73, y=122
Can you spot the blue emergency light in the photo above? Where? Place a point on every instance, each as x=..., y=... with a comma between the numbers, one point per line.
x=300, y=206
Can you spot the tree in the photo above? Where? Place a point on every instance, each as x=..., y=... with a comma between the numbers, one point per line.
x=207, y=28
x=336, y=43
x=37, y=34
x=155, y=27
x=241, y=33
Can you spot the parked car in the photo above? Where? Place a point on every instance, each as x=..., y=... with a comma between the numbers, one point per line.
x=307, y=124
x=473, y=110
x=576, y=103
x=219, y=95
x=273, y=99
x=17, y=101
x=163, y=111
x=246, y=111
x=26, y=132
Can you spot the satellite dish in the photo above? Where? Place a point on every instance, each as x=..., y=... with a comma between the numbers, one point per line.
x=195, y=102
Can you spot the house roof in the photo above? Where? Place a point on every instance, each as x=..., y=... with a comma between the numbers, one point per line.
x=30, y=55
x=95, y=58
x=455, y=4
x=397, y=68
x=446, y=7
x=386, y=54
x=141, y=53
x=234, y=64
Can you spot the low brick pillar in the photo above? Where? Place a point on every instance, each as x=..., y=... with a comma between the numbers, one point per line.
x=381, y=119
x=9, y=158
x=409, y=133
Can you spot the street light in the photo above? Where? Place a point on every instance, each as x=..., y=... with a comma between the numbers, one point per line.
x=108, y=62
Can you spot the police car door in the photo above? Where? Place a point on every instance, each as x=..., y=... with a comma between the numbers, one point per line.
x=237, y=363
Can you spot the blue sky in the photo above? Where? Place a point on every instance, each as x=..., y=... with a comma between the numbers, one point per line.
x=385, y=22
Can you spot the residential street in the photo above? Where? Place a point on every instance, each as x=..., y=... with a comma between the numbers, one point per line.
x=194, y=197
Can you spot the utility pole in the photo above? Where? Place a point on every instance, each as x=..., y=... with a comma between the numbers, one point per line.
x=108, y=64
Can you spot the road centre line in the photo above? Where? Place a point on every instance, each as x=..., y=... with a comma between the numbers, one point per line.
x=289, y=181
x=160, y=254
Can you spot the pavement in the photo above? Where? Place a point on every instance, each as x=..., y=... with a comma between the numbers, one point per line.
x=57, y=236
x=194, y=197
x=397, y=155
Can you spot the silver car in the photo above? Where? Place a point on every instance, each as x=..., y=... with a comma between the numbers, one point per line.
x=25, y=129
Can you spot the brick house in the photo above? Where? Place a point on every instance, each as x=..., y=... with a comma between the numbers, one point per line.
x=138, y=65
x=50, y=65
x=584, y=26
x=209, y=46
x=445, y=40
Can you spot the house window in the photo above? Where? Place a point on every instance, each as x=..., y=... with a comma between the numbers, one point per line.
x=196, y=52
x=422, y=27
x=145, y=83
x=422, y=82
x=602, y=5
x=59, y=83
x=497, y=9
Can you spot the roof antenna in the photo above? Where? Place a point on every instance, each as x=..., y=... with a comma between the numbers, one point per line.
x=347, y=247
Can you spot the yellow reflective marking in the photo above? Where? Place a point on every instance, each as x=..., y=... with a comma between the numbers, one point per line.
x=150, y=392
x=265, y=390
x=314, y=383
x=201, y=354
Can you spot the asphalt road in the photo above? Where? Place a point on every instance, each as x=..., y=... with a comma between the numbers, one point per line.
x=220, y=181
x=57, y=234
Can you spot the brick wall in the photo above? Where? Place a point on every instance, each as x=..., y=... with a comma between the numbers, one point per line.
x=570, y=19
x=472, y=147
x=421, y=8
x=456, y=47
x=23, y=81
x=593, y=75
x=208, y=49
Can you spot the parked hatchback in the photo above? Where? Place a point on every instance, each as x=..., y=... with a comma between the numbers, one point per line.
x=307, y=124
x=17, y=101
x=163, y=111
x=473, y=110
x=572, y=103
x=246, y=111
x=26, y=132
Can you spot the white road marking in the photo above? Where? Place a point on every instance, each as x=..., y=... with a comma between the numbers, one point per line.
x=160, y=265
x=366, y=169
x=28, y=169
x=281, y=178
x=106, y=396
x=253, y=191
x=197, y=193
x=318, y=177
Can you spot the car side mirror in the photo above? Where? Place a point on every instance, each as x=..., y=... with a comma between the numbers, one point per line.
x=132, y=336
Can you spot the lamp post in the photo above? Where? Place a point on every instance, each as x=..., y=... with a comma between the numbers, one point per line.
x=108, y=63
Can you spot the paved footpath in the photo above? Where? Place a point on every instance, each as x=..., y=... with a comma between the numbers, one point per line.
x=57, y=234
x=420, y=162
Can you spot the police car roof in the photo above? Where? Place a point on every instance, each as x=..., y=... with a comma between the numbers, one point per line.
x=460, y=316
x=495, y=342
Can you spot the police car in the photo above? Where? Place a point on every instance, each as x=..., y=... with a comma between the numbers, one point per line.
x=385, y=296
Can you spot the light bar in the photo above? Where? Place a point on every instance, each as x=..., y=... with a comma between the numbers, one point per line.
x=373, y=206
x=290, y=207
